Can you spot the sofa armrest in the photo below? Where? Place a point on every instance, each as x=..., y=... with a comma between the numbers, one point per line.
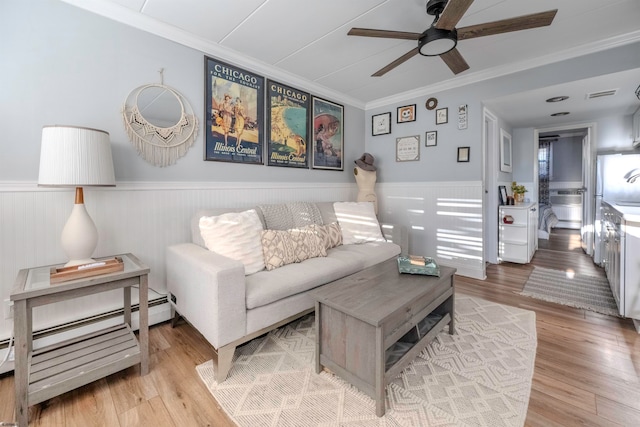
x=209, y=291
x=397, y=234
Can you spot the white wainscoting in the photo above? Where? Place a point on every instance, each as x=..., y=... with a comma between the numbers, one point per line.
x=444, y=220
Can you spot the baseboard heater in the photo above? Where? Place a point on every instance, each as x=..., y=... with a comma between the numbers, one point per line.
x=75, y=325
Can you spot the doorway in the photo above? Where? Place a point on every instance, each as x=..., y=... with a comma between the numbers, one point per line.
x=569, y=186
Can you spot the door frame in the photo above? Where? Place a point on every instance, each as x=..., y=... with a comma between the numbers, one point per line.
x=589, y=177
x=490, y=182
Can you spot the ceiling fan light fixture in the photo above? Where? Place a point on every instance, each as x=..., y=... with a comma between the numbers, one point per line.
x=436, y=41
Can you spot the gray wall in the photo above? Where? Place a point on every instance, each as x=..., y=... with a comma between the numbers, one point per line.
x=439, y=163
x=63, y=65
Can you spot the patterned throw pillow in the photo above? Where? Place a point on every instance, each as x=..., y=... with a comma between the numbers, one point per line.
x=330, y=234
x=235, y=235
x=335, y=234
x=282, y=247
x=307, y=243
x=277, y=248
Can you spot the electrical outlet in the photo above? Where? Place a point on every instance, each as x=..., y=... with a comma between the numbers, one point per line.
x=7, y=306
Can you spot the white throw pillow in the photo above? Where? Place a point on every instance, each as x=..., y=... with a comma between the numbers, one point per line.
x=358, y=222
x=235, y=235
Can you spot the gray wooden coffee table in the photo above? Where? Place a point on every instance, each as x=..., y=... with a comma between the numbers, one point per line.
x=372, y=324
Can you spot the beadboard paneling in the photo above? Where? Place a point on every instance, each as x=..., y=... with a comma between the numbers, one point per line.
x=444, y=220
x=141, y=218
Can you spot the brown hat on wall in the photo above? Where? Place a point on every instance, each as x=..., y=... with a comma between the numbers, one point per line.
x=365, y=162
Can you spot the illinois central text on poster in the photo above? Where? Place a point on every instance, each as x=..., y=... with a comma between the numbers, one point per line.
x=288, y=125
x=234, y=113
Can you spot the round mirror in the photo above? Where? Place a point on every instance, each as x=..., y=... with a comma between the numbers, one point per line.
x=159, y=106
x=160, y=123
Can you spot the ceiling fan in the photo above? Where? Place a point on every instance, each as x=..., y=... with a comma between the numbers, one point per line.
x=441, y=38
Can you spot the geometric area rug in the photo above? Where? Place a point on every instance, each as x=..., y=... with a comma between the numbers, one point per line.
x=575, y=290
x=481, y=376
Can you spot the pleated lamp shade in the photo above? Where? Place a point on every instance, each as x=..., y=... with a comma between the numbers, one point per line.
x=75, y=157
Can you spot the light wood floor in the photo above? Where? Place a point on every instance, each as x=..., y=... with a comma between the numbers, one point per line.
x=587, y=368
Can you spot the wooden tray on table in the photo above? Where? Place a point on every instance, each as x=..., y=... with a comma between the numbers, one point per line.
x=64, y=274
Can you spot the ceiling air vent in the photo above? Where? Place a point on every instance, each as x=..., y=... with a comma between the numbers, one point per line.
x=602, y=93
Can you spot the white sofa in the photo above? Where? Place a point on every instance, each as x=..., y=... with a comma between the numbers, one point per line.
x=229, y=308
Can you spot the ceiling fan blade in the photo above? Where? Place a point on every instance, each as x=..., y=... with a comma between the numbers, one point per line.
x=455, y=61
x=524, y=22
x=384, y=70
x=452, y=13
x=369, y=32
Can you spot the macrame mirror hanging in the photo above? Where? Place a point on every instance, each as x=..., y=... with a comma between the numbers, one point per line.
x=160, y=123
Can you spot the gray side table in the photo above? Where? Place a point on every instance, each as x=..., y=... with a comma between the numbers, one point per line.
x=50, y=371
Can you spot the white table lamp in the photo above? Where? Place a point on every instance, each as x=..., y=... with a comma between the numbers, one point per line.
x=77, y=157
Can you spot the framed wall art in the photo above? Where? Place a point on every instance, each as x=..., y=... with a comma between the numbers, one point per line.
x=381, y=124
x=408, y=148
x=406, y=114
x=505, y=151
x=442, y=116
x=287, y=125
x=503, y=194
x=463, y=154
x=431, y=139
x=462, y=116
x=234, y=113
x=328, y=133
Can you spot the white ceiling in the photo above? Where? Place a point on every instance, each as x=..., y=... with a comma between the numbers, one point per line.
x=529, y=109
x=308, y=39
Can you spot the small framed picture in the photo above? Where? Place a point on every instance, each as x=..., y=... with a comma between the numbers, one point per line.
x=381, y=124
x=431, y=139
x=462, y=116
x=442, y=116
x=408, y=148
x=503, y=194
x=406, y=114
x=463, y=154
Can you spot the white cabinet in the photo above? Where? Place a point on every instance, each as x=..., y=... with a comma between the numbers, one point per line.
x=621, y=235
x=518, y=241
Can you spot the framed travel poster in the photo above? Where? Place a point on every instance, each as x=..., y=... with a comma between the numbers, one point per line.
x=287, y=125
x=234, y=113
x=328, y=134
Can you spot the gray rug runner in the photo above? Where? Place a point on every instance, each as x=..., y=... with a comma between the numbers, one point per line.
x=586, y=292
x=481, y=376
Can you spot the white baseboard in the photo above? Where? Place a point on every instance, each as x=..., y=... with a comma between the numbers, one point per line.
x=157, y=314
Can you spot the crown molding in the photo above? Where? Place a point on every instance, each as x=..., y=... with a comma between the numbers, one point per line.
x=32, y=186
x=504, y=70
x=142, y=22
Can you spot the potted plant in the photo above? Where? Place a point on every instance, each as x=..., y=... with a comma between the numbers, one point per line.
x=518, y=191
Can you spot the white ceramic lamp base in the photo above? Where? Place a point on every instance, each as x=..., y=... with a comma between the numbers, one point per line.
x=79, y=237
